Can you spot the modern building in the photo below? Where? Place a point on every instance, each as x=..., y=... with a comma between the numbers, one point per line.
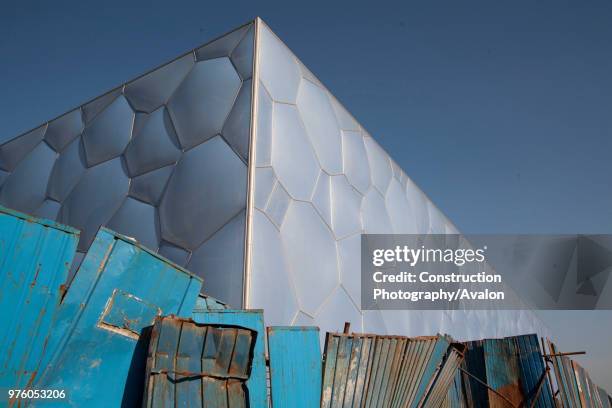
x=235, y=161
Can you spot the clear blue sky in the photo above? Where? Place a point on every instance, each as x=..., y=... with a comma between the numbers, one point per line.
x=502, y=113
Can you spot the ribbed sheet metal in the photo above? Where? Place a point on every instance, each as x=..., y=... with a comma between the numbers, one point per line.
x=456, y=395
x=512, y=366
x=502, y=372
x=253, y=320
x=198, y=365
x=576, y=389
x=565, y=378
x=445, y=381
x=532, y=371
x=477, y=395
x=387, y=371
x=347, y=365
x=295, y=366
x=34, y=264
x=99, y=339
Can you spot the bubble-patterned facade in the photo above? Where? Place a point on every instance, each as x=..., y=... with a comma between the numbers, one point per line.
x=234, y=161
x=162, y=158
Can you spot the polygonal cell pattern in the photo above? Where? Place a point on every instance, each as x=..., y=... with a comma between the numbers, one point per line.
x=164, y=158
x=123, y=161
x=202, y=102
x=154, y=146
x=189, y=214
x=339, y=183
x=311, y=247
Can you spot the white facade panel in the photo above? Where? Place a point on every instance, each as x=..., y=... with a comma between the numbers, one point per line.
x=353, y=188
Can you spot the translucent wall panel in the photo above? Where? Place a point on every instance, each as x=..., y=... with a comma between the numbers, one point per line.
x=165, y=158
x=162, y=158
x=320, y=180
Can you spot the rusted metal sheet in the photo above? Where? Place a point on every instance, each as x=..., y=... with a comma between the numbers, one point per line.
x=507, y=372
x=387, y=371
x=35, y=258
x=197, y=365
x=533, y=372
x=253, y=320
x=98, y=345
x=502, y=372
x=295, y=366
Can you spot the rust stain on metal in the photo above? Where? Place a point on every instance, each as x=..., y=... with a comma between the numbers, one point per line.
x=192, y=364
x=124, y=324
x=33, y=283
x=512, y=392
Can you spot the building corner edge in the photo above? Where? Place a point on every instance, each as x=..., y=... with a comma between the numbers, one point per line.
x=246, y=279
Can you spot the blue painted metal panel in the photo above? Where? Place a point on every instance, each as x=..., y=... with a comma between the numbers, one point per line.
x=512, y=366
x=532, y=370
x=35, y=258
x=197, y=365
x=477, y=394
x=416, y=358
x=254, y=320
x=97, y=351
x=295, y=366
x=205, y=303
x=502, y=372
x=384, y=354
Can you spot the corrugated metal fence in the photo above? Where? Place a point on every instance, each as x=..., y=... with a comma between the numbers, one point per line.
x=387, y=371
x=91, y=339
x=507, y=372
x=576, y=389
